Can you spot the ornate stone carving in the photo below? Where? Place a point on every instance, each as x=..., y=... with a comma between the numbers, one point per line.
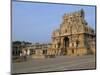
x=73, y=35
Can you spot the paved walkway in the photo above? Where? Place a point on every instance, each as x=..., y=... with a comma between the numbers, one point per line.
x=55, y=64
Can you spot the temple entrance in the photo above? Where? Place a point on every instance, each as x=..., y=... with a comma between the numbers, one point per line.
x=66, y=44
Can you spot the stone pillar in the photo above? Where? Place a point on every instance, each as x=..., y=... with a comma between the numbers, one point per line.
x=62, y=42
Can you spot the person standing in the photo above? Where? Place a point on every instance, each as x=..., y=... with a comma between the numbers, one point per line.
x=24, y=54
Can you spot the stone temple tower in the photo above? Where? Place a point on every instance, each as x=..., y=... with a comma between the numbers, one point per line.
x=74, y=36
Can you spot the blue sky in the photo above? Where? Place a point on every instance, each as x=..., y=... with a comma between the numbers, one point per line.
x=35, y=22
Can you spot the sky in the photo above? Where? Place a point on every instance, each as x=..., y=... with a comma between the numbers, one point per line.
x=35, y=22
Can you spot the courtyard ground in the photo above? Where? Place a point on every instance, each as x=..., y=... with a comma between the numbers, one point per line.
x=59, y=63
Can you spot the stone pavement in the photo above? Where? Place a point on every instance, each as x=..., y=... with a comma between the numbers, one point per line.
x=59, y=63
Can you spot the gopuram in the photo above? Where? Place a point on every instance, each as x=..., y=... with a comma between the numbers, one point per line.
x=74, y=36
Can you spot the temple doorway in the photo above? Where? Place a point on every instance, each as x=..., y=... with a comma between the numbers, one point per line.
x=65, y=44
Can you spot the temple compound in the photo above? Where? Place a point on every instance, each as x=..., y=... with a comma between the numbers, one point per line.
x=74, y=37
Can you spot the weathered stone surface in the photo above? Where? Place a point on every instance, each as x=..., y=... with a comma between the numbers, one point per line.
x=74, y=37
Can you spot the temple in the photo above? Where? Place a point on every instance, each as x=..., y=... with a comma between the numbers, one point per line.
x=74, y=36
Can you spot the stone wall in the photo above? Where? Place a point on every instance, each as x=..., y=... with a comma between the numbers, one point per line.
x=74, y=37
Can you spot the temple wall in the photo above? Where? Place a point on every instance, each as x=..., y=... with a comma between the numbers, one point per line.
x=75, y=28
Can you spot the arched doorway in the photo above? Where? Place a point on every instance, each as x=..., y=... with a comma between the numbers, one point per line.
x=66, y=44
